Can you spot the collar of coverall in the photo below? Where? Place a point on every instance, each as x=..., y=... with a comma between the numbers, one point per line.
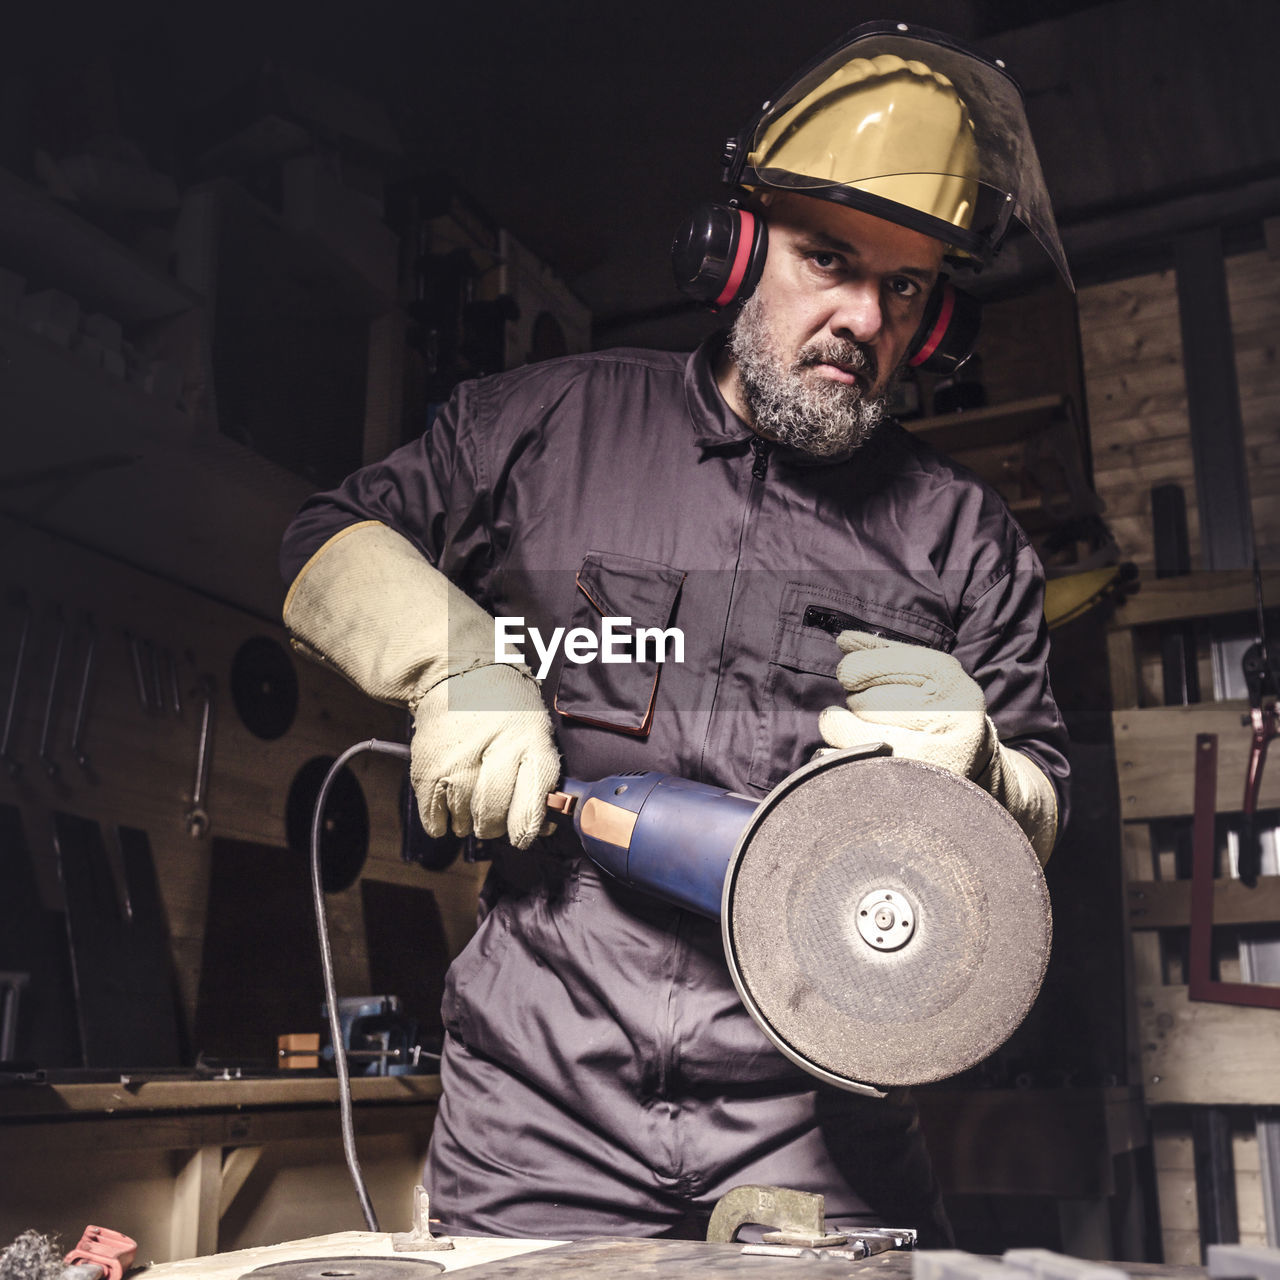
x=716, y=426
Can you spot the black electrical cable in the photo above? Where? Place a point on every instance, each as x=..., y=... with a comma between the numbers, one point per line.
x=326, y=965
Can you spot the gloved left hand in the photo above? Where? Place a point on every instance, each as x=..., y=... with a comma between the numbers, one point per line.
x=920, y=701
x=924, y=705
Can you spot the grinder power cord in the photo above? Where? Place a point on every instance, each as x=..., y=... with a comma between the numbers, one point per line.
x=483, y=758
x=923, y=704
x=885, y=922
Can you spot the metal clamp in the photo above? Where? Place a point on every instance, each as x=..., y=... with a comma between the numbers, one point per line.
x=797, y=1217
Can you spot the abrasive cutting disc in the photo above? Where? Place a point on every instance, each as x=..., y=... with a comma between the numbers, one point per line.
x=885, y=921
x=358, y=1267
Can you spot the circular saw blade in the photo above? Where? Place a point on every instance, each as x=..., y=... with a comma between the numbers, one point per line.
x=843, y=858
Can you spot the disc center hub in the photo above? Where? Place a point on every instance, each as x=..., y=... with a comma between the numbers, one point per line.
x=885, y=919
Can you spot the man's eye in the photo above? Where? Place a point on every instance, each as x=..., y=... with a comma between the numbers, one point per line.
x=904, y=286
x=824, y=261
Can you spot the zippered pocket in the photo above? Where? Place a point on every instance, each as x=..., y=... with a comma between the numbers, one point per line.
x=801, y=677
x=833, y=622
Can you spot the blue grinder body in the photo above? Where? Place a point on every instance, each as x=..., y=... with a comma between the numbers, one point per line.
x=666, y=835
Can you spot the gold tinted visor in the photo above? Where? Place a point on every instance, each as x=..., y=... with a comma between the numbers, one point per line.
x=916, y=132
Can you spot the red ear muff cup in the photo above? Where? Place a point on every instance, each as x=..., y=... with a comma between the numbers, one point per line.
x=948, y=332
x=718, y=254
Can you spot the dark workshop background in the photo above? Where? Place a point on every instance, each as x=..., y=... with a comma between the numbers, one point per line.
x=244, y=248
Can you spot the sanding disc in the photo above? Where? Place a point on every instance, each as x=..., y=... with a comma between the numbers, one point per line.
x=360, y=1267
x=886, y=922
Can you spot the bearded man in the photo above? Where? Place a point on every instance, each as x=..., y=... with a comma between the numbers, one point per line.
x=600, y=1073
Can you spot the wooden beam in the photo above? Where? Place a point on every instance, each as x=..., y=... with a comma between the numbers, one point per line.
x=1155, y=759
x=194, y=1225
x=1201, y=1053
x=240, y=1162
x=1195, y=595
x=1163, y=904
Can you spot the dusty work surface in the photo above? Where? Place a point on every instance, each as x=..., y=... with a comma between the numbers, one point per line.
x=500, y=1259
x=468, y=1252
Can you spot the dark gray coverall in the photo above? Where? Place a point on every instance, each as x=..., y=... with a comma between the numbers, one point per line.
x=600, y=1074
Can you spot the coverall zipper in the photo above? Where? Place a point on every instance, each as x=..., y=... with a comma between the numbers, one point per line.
x=760, y=447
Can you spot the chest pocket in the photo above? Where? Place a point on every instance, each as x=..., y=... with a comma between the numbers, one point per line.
x=620, y=694
x=801, y=676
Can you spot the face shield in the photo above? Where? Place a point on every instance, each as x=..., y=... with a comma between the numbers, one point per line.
x=906, y=125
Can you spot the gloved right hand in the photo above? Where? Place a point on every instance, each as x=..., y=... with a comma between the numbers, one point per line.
x=369, y=604
x=483, y=756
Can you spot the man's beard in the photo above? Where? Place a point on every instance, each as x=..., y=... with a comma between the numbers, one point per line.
x=816, y=415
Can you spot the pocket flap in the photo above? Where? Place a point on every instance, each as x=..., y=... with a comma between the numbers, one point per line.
x=624, y=587
x=618, y=695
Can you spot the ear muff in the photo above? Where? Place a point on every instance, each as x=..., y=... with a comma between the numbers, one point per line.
x=718, y=254
x=948, y=332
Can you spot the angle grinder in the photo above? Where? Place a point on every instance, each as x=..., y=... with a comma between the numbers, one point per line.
x=885, y=921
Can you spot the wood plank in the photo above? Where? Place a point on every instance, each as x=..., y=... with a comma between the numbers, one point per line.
x=1122, y=660
x=1165, y=904
x=193, y=1229
x=1118, y=303
x=1195, y=595
x=1155, y=758
x=1183, y=1051
x=1138, y=453
x=239, y=1163
x=161, y=1093
x=1118, y=429
x=993, y=425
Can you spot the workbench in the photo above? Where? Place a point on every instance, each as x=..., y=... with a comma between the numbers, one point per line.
x=189, y=1166
x=597, y=1259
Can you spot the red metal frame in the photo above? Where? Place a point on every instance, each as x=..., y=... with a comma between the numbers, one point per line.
x=1201, y=985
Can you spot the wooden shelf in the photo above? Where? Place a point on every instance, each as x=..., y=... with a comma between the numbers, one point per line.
x=49, y=244
x=1187, y=596
x=992, y=425
x=143, y=1093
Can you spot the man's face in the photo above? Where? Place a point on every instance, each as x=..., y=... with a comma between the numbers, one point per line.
x=816, y=348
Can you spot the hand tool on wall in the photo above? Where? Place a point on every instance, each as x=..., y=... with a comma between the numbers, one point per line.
x=11, y=762
x=141, y=683
x=51, y=766
x=78, y=753
x=197, y=819
x=1261, y=665
x=175, y=685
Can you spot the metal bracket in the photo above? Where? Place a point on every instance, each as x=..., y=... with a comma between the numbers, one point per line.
x=420, y=1238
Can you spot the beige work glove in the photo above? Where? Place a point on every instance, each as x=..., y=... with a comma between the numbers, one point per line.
x=924, y=705
x=483, y=756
